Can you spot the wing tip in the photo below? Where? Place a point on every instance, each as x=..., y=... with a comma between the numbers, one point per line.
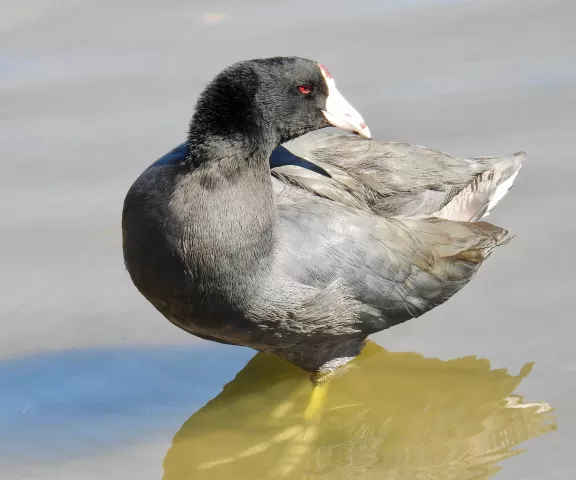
x=500, y=235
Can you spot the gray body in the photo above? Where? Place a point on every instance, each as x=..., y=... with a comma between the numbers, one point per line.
x=400, y=179
x=305, y=266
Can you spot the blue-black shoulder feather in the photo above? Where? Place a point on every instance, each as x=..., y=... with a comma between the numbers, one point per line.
x=173, y=157
x=281, y=156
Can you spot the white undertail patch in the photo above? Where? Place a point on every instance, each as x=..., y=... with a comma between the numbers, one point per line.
x=478, y=198
x=500, y=192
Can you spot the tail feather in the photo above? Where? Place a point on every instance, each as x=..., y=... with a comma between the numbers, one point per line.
x=476, y=200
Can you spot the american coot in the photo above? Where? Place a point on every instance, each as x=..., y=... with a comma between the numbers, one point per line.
x=285, y=264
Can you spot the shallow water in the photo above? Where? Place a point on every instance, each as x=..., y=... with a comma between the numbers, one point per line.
x=94, y=384
x=389, y=415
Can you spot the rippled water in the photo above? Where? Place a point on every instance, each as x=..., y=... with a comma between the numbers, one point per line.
x=94, y=384
x=389, y=415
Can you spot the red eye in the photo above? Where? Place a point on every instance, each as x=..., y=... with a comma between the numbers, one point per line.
x=305, y=89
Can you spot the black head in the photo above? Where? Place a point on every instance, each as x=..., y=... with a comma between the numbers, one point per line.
x=279, y=98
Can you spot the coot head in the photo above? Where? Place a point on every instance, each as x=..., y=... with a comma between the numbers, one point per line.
x=282, y=98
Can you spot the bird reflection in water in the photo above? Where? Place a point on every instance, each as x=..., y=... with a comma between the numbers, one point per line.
x=389, y=415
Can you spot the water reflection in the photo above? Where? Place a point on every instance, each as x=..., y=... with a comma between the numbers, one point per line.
x=391, y=415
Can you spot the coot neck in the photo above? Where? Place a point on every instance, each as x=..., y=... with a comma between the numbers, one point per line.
x=229, y=147
x=232, y=154
x=232, y=221
x=229, y=131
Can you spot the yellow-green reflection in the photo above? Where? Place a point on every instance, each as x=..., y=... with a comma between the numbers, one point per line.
x=390, y=415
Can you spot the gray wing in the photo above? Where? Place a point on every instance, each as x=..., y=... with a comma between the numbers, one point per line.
x=391, y=269
x=399, y=179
